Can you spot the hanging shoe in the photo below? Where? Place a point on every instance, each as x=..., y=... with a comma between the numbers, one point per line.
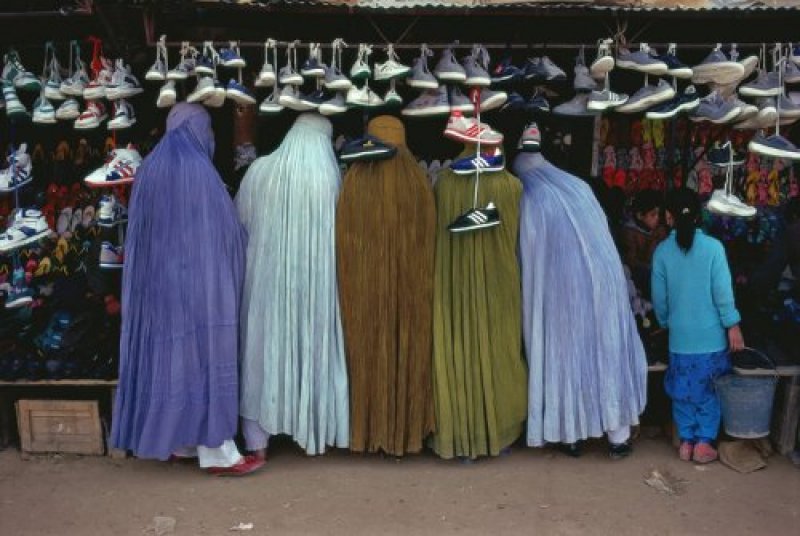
x=476, y=219
x=124, y=84
x=28, y=226
x=52, y=88
x=391, y=69
x=96, y=89
x=231, y=57
x=431, y=102
x=75, y=84
x=158, y=71
x=202, y=91
x=312, y=101
x=641, y=60
x=15, y=73
x=19, y=170
x=218, y=96
x=514, y=103
x=718, y=68
x=69, y=110
x=604, y=61
x=448, y=69
x=675, y=67
x=723, y=155
x=392, y=98
x=111, y=257
x=600, y=101
x=124, y=116
x=120, y=168
x=313, y=66
x=266, y=76
x=648, y=97
x=334, y=106
x=421, y=77
x=167, y=96
x=538, y=102
x=271, y=105
x=531, y=139
x=469, y=130
x=775, y=146
x=475, y=67
x=583, y=81
x=363, y=97
x=367, y=148
x=91, y=118
x=205, y=62
x=505, y=71
x=765, y=85
x=459, y=102
x=111, y=212
x=715, y=109
x=185, y=67
x=14, y=107
x=43, y=111
x=687, y=101
x=239, y=94
x=484, y=162
x=288, y=74
x=578, y=106
x=360, y=69
x=492, y=100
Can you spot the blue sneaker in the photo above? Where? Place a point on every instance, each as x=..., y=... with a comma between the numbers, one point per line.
x=19, y=294
x=685, y=102
x=538, y=103
x=368, y=148
x=514, y=103
x=675, y=67
x=642, y=61
x=313, y=66
x=231, y=57
x=484, y=162
x=775, y=146
x=111, y=256
x=204, y=65
x=505, y=71
x=238, y=93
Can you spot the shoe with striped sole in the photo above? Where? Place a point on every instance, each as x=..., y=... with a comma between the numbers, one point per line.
x=484, y=163
x=476, y=219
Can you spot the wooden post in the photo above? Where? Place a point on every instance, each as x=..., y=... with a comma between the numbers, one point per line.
x=116, y=454
x=786, y=429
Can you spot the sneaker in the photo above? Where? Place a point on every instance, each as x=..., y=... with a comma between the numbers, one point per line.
x=124, y=116
x=271, y=105
x=314, y=100
x=604, y=62
x=460, y=102
x=538, y=102
x=421, y=77
x=476, y=219
x=239, y=94
x=715, y=109
x=217, y=98
x=203, y=90
x=43, y=111
x=335, y=105
x=52, y=88
x=531, y=139
x=543, y=70
x=481, y=163
x=723, y=155
x=111, y=212
x=69, y=110
x=392, y=98
x=765, y=85
x=391, y=69
x=367, y=148
x=619, y=451
x=289, y=77
x=648, y=97
x=578, y=106
x=716, y=67
x=75, y=85
x=469, y=130
x=335, y=80
x=787, y=107
x=430, y=102
x=231, y=57
x=167, y=96
x=313, y=66
x=492, y=100
x=19, y=294
x=185, y=66
x=685, y=451
x=675, y=67
x=603, y=100
x=247, y=465
x=514, y=103
x=794, y=54
x=727, y=204
x=27, y=227
x=14, y=107
x=448, y=69
x=685, y=102
x=475, y=67
x=15, y=73
x=111, y=256
x=18, y=173
x=775, y=146
x=158, y=71
x=704, y=453
x=120, y=168
x=267, y=76
x=642, y=61
x=505, y=71
x=360, y=69
x=124, y=85
x=791, y=73
x=290, y=97
x=363, y=97
x=583, y=81
x=96, y=89
x=94, y=114
x=767, y=116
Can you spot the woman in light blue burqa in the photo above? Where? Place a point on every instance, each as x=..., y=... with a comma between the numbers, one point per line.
x=588, y=371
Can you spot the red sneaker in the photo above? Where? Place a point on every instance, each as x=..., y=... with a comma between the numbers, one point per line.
x=249, y=464
x=685, y=451
x=704, y=453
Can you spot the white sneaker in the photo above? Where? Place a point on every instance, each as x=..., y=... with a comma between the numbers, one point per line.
x=290, y=97
x=91, y=118
x=271, y=105
x=360, y=69
x=288, y=74
x=729, y=205
x=124, y=116
x=18, y=172
x=392, y=97
x=69, y=110
x=124, y=84
x=185, y=66
x=158, y=71
x=363, y=97
x=336, y=105
x=43, y=111
x=391, y=68
x=203, y=90
x=28, y=226
x=119, y=168
x=604, y=62
x=217, y=98
x=267, y=77
x=96, y=89
x=167, y=96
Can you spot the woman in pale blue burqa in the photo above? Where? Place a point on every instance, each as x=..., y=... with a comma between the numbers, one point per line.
x=588, y=371
x=294, y=375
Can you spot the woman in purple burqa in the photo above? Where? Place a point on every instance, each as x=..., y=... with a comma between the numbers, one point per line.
x=588, y=371
x=181, y=291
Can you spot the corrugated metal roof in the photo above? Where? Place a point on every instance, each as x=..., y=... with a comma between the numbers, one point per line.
x=604, y=5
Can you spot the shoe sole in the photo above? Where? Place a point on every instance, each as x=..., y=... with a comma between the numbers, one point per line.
x=787, y=80
x=108, y=225
x=120, y=126
x=200, y=96
x=107, y=184
x=645, y=103
x=339, y=85
x=657, y=69
x=726, y=210
x=239, y=97
x=110, y=266
x=481, y=81
x=685, y=107
x=491, y=169
x=367, y=155
x=719, y=73
x=88, y=126
x=451, y=77
x=599, y=106
x=393, y=76
x=327, y=109
x=270, y=110
x=494, y=102
x=724, y=120
x=265, y=82
x=52, y=94
x=70, y=117
x=421, y=84
x=756, y=147
x=234, y=64
x=464, y=108
x=292, y=81
x=313, y=73
x=601, y=67
x=756, y=92
x=24, y=242
x=531, y=146
x=166, y=102
x=16, y=186
x=681, y=72
x=44, y=120
x=474, y=227
x=19, y=302
x=94, y=94
x=177, y=76
x=441, y=109
x=456, y=135
x=202, y=69
x=155, y=77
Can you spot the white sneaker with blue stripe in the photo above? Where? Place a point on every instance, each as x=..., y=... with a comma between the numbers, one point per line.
x=28, y=226
x=483, y=163
x=18, y=173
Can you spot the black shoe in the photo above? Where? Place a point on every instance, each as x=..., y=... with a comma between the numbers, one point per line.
x=617, y=452
x=366, y=148
x=572, y=450
x=724, y=156
x=475, y=219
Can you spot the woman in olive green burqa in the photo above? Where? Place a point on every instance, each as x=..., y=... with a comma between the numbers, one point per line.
x=479, y=376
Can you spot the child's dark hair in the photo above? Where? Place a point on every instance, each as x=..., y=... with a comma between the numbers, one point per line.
x=684, y=205
x=645, y=201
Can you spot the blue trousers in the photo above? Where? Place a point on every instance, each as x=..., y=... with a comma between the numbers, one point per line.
x=690, y=384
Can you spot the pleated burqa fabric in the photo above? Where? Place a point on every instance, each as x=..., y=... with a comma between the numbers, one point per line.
x=385, y=224
x=479, y=373
x=588, y=371
x=181, y=291
x=294, y=375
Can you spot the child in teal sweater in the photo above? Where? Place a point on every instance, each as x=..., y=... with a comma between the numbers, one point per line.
x=693, y=298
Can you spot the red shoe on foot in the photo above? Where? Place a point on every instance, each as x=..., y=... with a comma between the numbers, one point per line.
x=249, y=464
x=685, y=452
x=704, y=453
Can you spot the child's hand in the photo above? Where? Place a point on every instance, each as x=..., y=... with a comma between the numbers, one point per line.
x=735, y=339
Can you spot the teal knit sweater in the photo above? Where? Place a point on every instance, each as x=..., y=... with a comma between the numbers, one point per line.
x=693, y=295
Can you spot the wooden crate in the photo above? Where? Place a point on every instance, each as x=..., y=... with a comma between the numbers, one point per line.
x=68, y=426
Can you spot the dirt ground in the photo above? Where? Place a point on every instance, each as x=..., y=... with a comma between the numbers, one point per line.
x=526, y=492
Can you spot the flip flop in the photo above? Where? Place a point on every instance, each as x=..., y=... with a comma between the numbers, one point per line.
x=44, y=267
x=88, y=216
x=77, y=218
x=64, y=221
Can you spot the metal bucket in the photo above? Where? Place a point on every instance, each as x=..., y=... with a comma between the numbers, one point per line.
x=746, y=401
